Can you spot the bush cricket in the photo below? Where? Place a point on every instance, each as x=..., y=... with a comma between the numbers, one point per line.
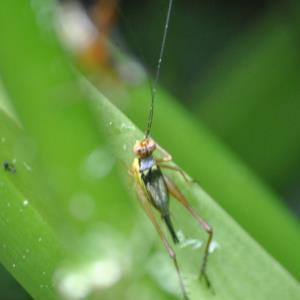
x=153, y=187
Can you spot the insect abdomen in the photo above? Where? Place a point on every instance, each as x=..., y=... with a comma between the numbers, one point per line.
x=155, y=185
x=170, y=226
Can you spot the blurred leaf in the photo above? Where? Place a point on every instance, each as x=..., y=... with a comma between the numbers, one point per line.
x=29, y=248
x=10, y=289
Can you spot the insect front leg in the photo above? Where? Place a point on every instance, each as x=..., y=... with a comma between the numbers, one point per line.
x=144, y=200
x=177, y=169
x=175, y=192
x=166, y=155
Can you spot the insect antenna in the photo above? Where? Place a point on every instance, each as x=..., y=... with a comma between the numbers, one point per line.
x=154, y=85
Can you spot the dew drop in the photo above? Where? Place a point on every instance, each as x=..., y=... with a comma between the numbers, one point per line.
x=213, y=246
x=27, y=167
x=126, y=126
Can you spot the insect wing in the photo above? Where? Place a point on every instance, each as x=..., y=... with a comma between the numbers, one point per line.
x=156, y=187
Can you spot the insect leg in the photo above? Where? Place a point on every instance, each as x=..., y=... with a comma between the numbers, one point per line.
x=174, y=168
x=175, y=192
x=166, y=155
x=149, y=211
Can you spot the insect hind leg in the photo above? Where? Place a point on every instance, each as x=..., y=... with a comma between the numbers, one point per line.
x=148, y=209
x=175, y=192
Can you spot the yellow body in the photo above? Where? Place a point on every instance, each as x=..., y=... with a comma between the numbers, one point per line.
x=135, y=168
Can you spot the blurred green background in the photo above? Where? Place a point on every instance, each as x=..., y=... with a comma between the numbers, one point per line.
x=232, y=69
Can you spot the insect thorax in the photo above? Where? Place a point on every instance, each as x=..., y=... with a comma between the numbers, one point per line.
x=146, y=163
